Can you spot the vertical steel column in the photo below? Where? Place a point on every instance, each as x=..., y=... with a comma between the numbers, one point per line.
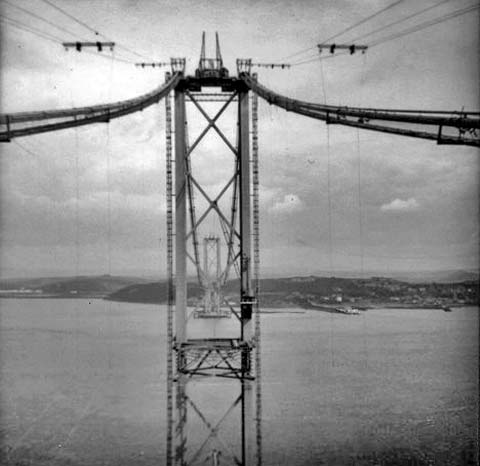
x=256, y=275
x=219, y=265
x=180, y=270
x=245, y=277
x=245, y=216
x=180, y=219
x=206, y=269
x=168, y=147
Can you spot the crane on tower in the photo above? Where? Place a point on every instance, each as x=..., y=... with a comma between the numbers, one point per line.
x=211, y=67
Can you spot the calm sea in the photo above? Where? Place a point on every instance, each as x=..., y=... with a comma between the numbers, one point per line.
x=83, y=383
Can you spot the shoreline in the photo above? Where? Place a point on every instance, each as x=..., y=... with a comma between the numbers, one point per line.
x=269, y=309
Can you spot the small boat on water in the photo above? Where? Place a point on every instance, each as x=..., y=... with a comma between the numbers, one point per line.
x=446, y=309
x=348, y=310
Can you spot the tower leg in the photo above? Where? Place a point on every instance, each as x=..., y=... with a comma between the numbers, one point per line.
x=168, y=146
x=196, y=356
x=180, y=220
x=256, y=278
x=248, y=449
x=180, y=272
x=245, y=216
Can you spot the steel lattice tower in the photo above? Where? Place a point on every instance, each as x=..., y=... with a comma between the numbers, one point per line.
x=230, y=356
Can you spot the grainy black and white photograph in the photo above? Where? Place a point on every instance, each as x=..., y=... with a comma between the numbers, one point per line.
x=239, y=232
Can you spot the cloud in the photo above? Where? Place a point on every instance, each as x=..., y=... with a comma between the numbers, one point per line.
x=399, y=205
x=290, y=203
x=117, y=171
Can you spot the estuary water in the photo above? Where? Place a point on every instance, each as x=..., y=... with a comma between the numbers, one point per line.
x=83, y=383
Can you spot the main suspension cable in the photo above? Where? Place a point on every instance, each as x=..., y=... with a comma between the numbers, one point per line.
x=40, y=18
x=364, y=20
x=27, y=28
x=349, y=28
x=318, y=58
x=399, y=21
x=90, y=28
x=425, y=25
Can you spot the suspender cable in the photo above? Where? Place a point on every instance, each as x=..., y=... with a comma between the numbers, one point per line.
x=77, y=179
x=360, y=206
x=109, y=194
x=361, y=245
x=329, y=221
x=329, y=197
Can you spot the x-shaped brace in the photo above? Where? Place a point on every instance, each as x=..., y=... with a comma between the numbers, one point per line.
x=211, y=123
x=214, y=431
x=212, y=204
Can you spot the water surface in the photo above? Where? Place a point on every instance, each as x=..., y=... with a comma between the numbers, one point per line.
x=83, y=383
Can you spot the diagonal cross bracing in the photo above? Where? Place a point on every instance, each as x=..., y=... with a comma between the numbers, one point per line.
x=191, y=182
x=233, y=216
x=193, y=221
x=214, y=204
x=211, y=122
x=213, y=430
x=200, y=354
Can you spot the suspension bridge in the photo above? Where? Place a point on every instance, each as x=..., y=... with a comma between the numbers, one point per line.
x=223, y=338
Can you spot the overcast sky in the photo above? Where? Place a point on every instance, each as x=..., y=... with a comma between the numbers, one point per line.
x=92, y=200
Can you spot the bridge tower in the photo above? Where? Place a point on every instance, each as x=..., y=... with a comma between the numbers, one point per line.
x=213, y=373
x=211, y=305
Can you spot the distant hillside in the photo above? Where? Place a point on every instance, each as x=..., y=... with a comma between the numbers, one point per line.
x=307, y=291
x=442, y=276
x=271, y=289
x=298, y=291
x=154, y=293
x=82, y=286
x=413, y=276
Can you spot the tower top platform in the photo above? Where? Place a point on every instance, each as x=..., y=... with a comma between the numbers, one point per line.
x=227, y=84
